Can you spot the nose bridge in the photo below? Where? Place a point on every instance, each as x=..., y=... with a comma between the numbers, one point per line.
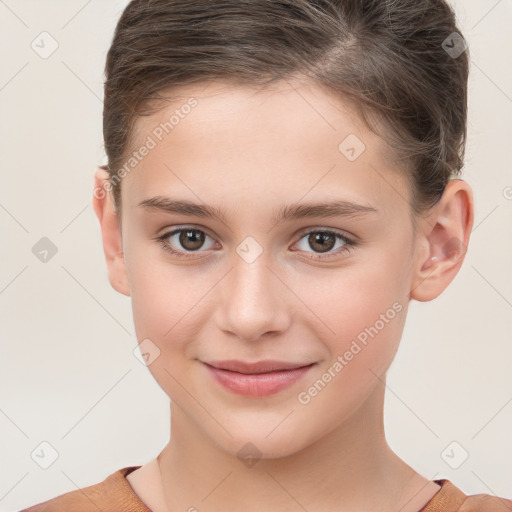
x=251, y=277
x=253, y=302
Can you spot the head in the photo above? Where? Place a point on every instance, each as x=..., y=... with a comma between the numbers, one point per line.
x=308, y=151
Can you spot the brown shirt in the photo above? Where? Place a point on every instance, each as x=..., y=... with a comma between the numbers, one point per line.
x=115, y=494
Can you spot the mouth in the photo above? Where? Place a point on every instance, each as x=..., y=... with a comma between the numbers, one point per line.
x=267, y=366
x=258, y=379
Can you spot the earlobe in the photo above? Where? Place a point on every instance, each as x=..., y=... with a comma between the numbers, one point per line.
x=444, y=238
x=110, y=232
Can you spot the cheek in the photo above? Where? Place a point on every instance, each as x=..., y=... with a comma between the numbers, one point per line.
x=163, y=297
x=362, y=311
x=348, y=300
x=367, y=317
x=165, y=322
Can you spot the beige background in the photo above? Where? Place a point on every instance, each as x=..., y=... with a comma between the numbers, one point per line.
x=67, y=369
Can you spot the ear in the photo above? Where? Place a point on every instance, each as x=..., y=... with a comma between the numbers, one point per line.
x=110, y=231
x=443, y=237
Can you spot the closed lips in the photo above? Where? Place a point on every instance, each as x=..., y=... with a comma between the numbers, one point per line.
x=257, y=367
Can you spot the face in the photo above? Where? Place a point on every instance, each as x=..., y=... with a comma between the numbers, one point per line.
x=271, y=277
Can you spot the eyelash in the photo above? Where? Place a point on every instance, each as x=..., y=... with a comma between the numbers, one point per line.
x=349, y=243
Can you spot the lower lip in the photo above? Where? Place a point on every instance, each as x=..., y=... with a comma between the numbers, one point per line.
x=261, y=384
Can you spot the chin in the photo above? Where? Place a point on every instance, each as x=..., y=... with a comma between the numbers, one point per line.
x=252, y=446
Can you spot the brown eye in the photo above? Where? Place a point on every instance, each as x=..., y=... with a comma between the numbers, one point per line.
x=321, y=241
x=184, y=242
x=191, y=239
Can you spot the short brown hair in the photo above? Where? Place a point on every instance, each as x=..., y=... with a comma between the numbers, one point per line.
x=389, y=57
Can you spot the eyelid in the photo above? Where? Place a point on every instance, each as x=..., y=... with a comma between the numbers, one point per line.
x=350, y=241
x=193, y=227
x=301, y=232
x=315, y=229
x=184, y=227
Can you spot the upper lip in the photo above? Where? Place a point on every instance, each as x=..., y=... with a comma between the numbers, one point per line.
x=253, y=368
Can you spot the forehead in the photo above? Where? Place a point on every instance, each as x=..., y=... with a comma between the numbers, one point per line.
x=290, y=138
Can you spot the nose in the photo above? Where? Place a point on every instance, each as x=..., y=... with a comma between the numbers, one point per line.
x=255, y=301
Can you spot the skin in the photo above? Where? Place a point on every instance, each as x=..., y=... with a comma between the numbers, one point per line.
x=247, y=152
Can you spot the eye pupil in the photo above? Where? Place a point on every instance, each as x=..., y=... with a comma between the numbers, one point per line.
x=325, y=240
x=194, y=236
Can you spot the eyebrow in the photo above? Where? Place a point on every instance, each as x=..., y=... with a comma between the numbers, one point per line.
x=339, y=208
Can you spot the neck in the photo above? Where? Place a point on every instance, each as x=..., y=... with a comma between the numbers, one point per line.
x=350, y=468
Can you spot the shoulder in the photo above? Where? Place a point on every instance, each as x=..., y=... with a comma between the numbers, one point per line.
x=113, y=493
x=486, y=503
x=451, y=499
